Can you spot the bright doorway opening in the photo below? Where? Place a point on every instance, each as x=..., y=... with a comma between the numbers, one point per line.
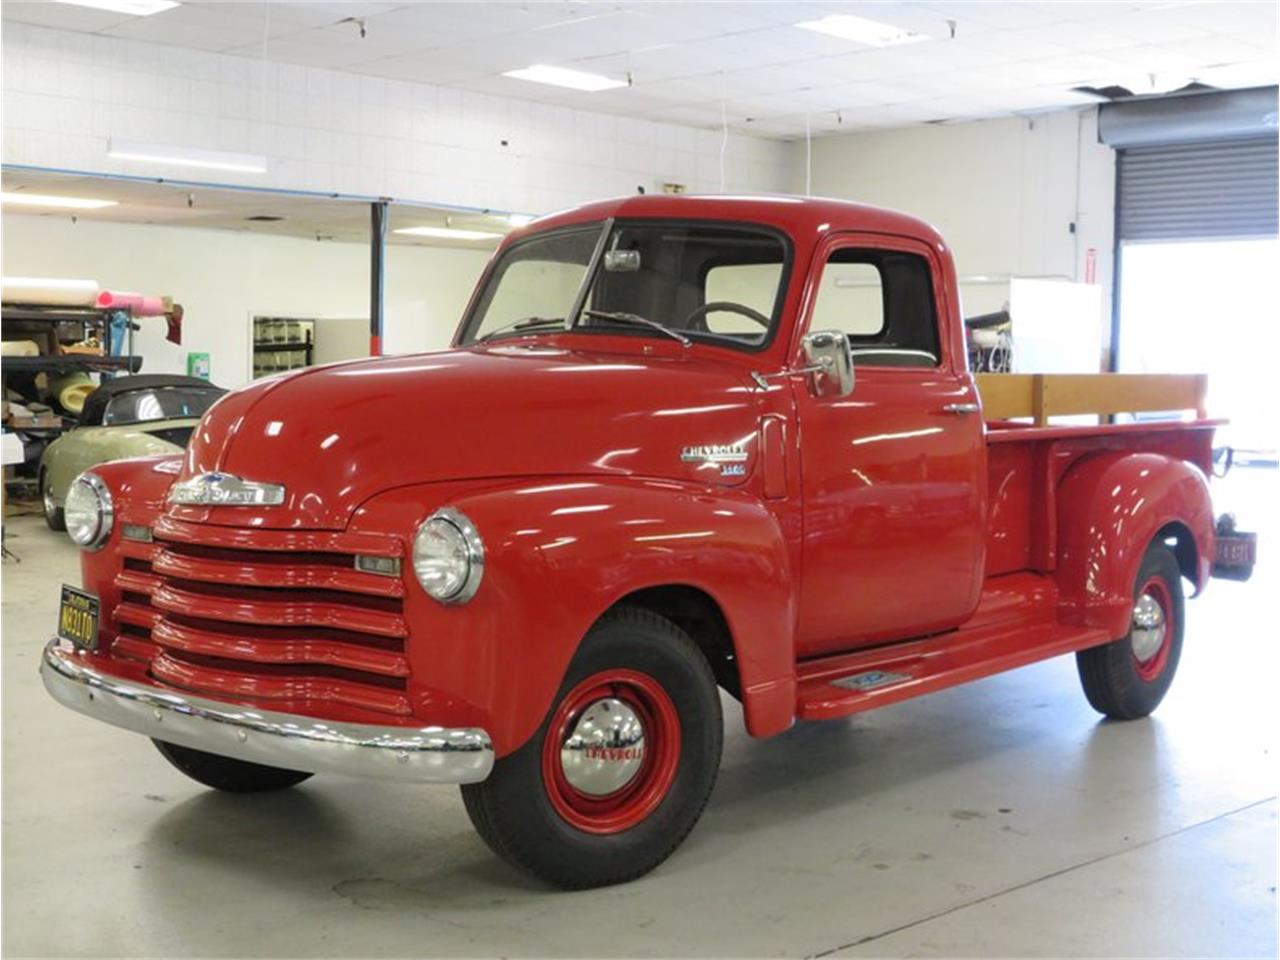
x=1209, y=307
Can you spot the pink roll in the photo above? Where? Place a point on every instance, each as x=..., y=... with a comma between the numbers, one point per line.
x=150, y=307
x=135, y=303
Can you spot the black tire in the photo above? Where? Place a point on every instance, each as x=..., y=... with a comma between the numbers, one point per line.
x=514, y=811
x=1116, y=683
x=54, y=517
x=226, y=773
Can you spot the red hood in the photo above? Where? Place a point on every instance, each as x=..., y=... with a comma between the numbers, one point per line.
x=336, y=436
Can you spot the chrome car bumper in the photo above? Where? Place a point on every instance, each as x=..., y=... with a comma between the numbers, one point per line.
x=291, y=741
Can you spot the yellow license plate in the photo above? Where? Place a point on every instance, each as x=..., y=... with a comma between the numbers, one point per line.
x=78, y=617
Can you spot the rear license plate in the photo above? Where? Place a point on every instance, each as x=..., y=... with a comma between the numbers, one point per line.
x=78, y=617
x=1236, y=555
x=1238, y=549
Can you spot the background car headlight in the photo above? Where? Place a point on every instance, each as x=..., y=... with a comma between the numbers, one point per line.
x=88, y=511
x=448, y=556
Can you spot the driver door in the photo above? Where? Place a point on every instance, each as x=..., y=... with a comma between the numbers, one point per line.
x=893, y=475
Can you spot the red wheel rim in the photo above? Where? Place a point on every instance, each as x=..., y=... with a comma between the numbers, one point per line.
x=1153, y=601
x=623, y=808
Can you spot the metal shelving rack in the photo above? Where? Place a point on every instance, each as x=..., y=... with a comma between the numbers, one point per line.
x=24, y=317
x=274, y=352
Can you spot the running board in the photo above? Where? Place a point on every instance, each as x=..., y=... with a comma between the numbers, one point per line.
x=852, y=682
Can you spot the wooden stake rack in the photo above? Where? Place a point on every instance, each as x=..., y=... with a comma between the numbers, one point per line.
x=1039, y=396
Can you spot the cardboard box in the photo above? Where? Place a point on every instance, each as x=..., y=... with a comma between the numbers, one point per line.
x=43, y=421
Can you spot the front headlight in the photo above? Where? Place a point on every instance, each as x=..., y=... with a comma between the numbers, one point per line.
x=88, y=511
x=448, y=556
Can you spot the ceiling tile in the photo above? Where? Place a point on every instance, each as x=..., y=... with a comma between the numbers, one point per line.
x=64, y=16
x=1257, y=73
x=1002, y=16
x=686, y=57
x=1245, y=20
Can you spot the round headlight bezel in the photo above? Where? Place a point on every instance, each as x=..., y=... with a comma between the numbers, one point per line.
x=96, y=487
x=453, y=523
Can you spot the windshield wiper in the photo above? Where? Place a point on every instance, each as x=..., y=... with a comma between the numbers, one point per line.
x=621, y=316
x=524, y=323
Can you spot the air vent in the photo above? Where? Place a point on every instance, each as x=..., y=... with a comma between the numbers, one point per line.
x=1116, y=92
x=1113, y=92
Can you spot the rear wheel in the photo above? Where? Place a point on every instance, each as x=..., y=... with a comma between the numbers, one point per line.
x=226, y=773
x=622, y=766
x=1127, y=679
x=53, y=515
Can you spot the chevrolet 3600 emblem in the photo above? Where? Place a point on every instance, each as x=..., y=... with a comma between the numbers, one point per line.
x=714, y=453
x=731, y=458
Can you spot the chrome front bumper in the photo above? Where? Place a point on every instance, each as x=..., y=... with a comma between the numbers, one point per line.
x=291, y=741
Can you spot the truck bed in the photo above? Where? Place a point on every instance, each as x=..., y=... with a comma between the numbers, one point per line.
x=1028, y=454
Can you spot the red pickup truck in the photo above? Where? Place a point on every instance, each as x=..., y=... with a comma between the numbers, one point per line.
x=680, y=444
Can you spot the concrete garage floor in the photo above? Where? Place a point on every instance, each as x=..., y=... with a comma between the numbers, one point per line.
x=1001, y=818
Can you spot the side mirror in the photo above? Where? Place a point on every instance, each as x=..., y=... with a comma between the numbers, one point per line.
x=830, y=363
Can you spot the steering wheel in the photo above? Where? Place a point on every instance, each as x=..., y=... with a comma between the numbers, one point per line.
x=697, y=319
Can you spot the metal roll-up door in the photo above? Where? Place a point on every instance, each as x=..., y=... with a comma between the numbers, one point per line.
x=1224, y=188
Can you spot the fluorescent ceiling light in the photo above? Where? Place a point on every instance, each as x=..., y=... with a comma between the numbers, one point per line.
x=63, y=203
x=137, y=8
x=447, y=233
x=519, y=219
x=186, y=156
x=561, y=77
x=861, y=30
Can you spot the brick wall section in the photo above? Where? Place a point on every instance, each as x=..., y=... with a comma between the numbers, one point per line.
x=66, y=93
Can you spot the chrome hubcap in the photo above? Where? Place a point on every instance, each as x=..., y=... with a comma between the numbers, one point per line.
x=1147, y=633
x=605, y=750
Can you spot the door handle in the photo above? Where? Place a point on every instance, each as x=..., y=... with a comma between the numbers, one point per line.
x=960, y=408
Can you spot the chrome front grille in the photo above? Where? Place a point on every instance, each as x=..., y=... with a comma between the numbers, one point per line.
x=265, y=615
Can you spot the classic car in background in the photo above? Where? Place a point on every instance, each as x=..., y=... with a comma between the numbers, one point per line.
x=139, y=416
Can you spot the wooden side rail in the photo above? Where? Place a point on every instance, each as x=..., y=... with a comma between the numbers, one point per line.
x=1008, y=396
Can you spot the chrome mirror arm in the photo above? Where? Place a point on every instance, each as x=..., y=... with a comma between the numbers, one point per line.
x=762, y=379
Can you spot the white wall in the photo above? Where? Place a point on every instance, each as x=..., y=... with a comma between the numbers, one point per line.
x=223, y=277
x=66, y=93
x=1003, y=192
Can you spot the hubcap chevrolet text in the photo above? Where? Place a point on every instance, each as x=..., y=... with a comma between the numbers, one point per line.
x=605, y=750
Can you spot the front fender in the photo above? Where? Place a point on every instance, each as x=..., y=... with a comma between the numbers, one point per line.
x=138, y=488
x=87, y=447
x=1110, y=507
x=558, y=554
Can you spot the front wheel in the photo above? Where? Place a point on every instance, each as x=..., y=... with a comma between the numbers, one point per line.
x=227, y=773
x=622, y=766
x=1127, y=678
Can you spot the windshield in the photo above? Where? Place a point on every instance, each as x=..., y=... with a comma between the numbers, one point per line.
x=703, y=281
x=165, y=403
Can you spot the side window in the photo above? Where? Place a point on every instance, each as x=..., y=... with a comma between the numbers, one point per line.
x=882, y=300
x=753, y=285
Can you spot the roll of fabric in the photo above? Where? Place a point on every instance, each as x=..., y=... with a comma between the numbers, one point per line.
x=49, y=291
x=19, y=348
x=71, y=391
x=135, y=303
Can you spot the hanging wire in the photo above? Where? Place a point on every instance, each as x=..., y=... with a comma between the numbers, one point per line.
x=262, y=75
x=724, y=131
x=808, y=157
x=724, y=142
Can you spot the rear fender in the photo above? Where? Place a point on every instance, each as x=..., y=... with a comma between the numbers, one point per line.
x=1110, y=507
x=558, y=554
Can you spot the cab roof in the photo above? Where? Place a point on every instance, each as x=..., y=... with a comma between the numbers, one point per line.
x=801, y=217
